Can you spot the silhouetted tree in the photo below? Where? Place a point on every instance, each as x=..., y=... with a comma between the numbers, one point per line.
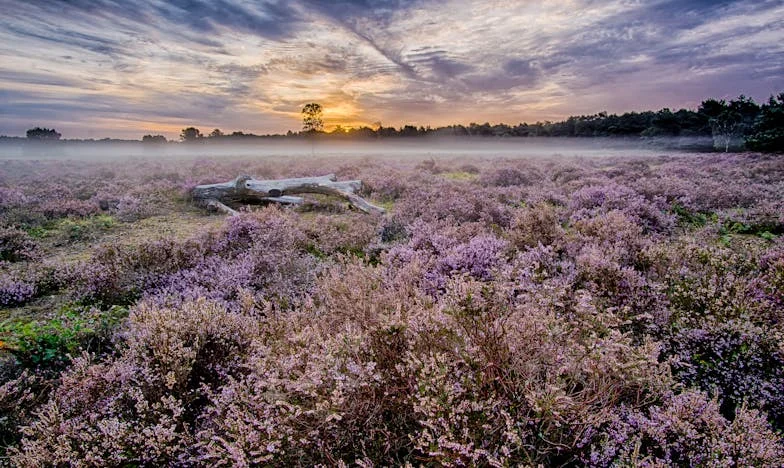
x=190, y=134
x=154, y=139
x=768, y=131
x=711, y=108
x=663, y=123
x=216, y=133
x=43, y=134
x=311, y=117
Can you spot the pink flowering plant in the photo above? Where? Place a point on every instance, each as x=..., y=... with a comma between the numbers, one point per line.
x=502, y=312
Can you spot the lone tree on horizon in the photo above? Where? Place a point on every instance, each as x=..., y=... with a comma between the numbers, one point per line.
x=311, y=118
x=43, y=134
x=190, y=134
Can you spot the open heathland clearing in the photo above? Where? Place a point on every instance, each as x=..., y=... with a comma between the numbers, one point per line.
x=620, y=310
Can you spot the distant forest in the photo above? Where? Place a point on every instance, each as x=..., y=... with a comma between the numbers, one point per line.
x=736, y=124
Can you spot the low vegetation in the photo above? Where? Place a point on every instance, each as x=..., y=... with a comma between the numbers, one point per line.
x=562, y=311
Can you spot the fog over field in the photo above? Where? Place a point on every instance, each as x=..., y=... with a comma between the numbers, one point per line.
x=385, y=149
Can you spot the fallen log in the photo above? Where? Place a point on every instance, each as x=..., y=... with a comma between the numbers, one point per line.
x=215, y=205
x=246, y=189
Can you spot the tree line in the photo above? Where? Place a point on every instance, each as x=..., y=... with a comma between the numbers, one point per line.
x=734, y=124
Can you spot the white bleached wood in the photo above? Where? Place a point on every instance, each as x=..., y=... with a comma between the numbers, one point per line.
x=246, y=189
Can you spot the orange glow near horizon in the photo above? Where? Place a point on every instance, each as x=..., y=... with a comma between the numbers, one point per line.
x=96, y=71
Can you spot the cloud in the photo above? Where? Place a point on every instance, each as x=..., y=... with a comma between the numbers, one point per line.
x=239, y=64
x=270, y=19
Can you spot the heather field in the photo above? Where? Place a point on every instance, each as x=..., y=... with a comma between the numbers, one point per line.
x=621, y=310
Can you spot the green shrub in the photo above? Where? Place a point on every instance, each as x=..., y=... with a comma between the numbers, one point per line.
x=693, y=218
x=51, y=343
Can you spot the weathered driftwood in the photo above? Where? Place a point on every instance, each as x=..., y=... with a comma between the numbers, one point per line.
x=246, y=189
x=215, y=205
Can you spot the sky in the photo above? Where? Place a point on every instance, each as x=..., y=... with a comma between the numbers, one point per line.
x=122, y=69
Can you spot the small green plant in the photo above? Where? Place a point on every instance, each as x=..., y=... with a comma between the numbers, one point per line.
x=386, y=204
x=80, y=229
x=72, y=229
x=37, y=232
x=51, y=343
x=693, y=218
x=730, y=227
x=460, y=176
x=315, y=251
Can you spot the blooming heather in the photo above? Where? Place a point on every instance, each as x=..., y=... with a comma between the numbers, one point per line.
x=550, y=311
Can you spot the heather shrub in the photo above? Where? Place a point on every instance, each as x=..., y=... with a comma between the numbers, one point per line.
x=616, y=234
x=563, y=174
x=275, y=274
x=15, y=289
x=711, y=283
x=467, y=249
x=131, y=208
x=768, y=287
x=348, y=171
x=429, y=165
x=25, y=218
x=626, y=291
x=239, y=232
x=725, y=329
x=17, y=245
x=455, y=202
x=540, y=264
x=736, y=361
x=533, y=225
x=262, y=253
x=651, y=215
x=324, y=384
x=388, y=187
x=478, y=257
x=12, y=198
x=504, y=177
x=62, y=208
x=141, y=406
x=369, y=296
x=687, y=430
x=711, y=184
x=317, y=403
x=547, y=195
x=118, y=274
x=496, y=379
x=468, y=169
x=328, y=235
x=271, y=226
x=20, y=392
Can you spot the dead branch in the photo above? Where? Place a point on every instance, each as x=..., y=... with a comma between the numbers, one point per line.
x=246, y=189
